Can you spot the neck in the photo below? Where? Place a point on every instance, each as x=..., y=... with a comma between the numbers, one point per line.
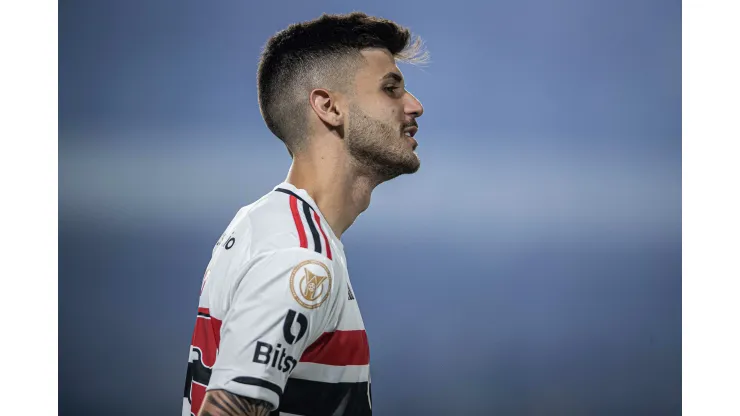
x=341, y=192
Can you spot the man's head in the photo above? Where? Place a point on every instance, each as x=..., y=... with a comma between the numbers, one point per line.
x=337, y=74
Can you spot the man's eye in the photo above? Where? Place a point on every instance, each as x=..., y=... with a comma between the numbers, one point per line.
x=391, y=89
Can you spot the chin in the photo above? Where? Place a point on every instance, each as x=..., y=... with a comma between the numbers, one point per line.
x=414, y=162
x=407, y=167
x=413, y=165
x=388, y=165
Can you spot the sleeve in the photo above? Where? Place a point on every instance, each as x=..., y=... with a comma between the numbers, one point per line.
x=283, y=303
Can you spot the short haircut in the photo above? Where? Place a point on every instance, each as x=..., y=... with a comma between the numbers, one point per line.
x=321, y=53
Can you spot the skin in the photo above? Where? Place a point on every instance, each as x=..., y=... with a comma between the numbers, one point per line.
x=356, y=140
x=223, y=403
x=356, y=143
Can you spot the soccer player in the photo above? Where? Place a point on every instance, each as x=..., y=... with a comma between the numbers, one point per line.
x=278, y=329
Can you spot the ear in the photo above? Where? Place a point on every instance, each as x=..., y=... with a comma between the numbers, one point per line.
x=325, y=104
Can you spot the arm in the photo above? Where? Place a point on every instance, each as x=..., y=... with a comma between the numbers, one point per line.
x=223, y=403
x=281, y=303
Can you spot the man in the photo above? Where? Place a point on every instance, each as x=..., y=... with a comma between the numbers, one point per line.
x=278, y=327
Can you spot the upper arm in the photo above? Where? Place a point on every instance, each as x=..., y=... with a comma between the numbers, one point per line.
x=223, y=403
x=282, y=303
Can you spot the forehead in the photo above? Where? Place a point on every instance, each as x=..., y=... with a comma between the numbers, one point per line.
x=378, y=63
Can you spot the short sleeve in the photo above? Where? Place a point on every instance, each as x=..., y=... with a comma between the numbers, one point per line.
x=283, y=303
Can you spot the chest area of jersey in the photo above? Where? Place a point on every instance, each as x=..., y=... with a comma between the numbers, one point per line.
x=341, y=354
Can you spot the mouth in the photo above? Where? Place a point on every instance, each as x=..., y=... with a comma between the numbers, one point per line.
x=409, y=133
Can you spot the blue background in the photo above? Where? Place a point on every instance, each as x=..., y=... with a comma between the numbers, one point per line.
x=531, y=267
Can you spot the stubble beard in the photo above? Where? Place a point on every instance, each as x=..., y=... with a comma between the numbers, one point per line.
x=378, y=148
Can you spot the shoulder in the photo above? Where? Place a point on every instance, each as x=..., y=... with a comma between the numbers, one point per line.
x=261, y=253
x=266, y=226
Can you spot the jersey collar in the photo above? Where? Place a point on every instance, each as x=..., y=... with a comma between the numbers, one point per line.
x=307, y=198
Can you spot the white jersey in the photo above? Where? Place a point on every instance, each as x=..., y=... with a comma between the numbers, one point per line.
x=277, y=318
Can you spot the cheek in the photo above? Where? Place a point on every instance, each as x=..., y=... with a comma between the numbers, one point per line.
x=396, y=114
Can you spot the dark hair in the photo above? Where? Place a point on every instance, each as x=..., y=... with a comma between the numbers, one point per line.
x=321, y=53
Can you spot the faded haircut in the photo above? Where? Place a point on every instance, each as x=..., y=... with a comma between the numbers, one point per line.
x=321, y=53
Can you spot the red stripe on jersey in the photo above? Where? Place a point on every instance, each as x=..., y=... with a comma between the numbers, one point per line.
x=326, y=240
x=215, y=325
x=339, y=348
x=206, y=339
x=298, y=222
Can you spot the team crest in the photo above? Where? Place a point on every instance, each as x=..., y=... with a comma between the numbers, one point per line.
x=310, y=283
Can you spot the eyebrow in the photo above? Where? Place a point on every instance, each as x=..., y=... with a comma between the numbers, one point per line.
x=394, y=76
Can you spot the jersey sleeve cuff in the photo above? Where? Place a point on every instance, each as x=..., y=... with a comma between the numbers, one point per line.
x=252, y=387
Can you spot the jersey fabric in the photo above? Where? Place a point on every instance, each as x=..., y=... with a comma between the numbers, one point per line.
x=277, y=318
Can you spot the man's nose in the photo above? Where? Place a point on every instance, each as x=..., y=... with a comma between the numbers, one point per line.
x=413, y=106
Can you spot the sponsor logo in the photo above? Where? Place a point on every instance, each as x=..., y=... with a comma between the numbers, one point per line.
x=292, y=318
x=229, y=243
x=310, y=283
x=276, y=357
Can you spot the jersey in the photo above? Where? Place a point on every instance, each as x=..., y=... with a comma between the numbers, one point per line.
x=277, y=317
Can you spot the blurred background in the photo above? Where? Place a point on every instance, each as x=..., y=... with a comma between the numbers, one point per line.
x=531, y=267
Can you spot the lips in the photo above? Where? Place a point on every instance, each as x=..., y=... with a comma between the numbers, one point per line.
x=414, y=143
x=410, y=131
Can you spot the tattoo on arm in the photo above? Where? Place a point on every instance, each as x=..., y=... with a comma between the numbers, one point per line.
x=223, y=403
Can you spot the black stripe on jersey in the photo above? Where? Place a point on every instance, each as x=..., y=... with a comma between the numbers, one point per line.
x=314, y=398
x=307, y=213
x=254, y=381
x=312, y=226
x=204, y=314
x=289, y=192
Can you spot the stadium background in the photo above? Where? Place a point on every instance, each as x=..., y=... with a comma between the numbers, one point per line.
x=531, y=267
